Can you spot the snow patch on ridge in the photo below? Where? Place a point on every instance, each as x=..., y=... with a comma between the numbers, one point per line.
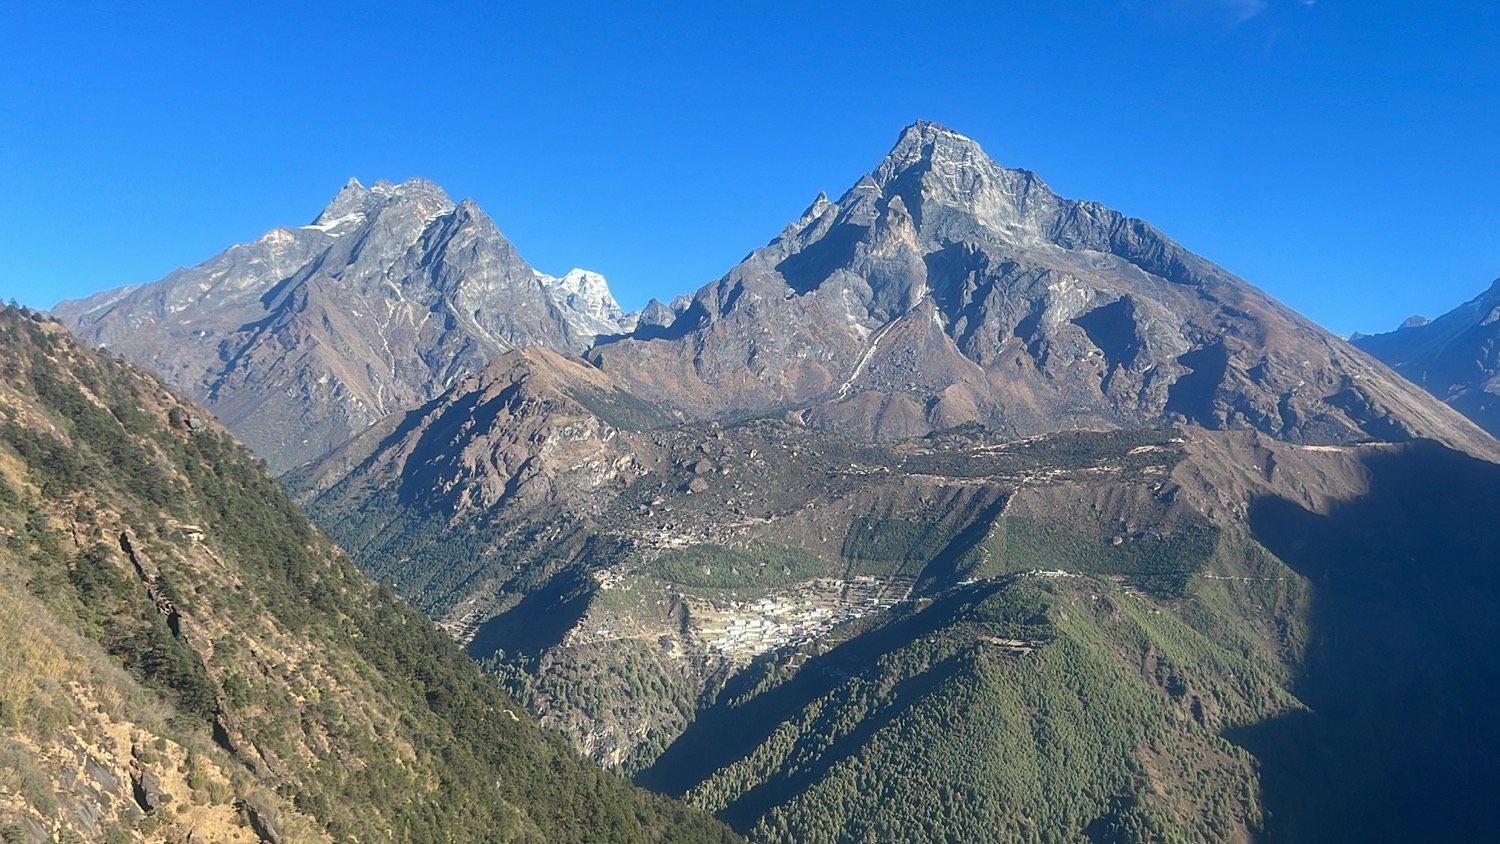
x=329, y=226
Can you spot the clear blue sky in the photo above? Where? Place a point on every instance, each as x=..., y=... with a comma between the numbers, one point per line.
x=1344, y=156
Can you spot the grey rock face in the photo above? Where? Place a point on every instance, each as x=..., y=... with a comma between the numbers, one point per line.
x=1456, y=357
x=308, y=335
x=943, y=289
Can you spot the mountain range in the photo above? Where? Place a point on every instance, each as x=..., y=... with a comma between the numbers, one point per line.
x=1456, y=357
x=944, y=289
x=305, y=337
x=959, y=511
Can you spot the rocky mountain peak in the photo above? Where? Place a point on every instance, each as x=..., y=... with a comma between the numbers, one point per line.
x=943, y=288
x=584, y=291
x=817, y=207
x=355, y=204
x=469, y=209
x=349, y=200
x=1456, y=356
x=923, y=143
x=941, y=174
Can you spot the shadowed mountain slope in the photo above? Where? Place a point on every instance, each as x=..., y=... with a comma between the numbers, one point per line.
x=1456, y=357
x=1111, y=636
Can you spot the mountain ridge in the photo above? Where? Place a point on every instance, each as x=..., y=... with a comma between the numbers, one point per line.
x=1456, y=356
x=184, y=657
x=1050, y=313
x=305, y=336
x=774, y=621
x=963, y=510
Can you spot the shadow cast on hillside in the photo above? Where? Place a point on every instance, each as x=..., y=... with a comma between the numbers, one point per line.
x=538, y=622
x=1402, y=671
x=725, y=732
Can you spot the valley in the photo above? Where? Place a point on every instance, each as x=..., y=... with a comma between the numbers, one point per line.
x=959, y=511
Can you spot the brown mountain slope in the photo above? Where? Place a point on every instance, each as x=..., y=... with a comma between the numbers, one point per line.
x=1107, y=636
x=799, y=606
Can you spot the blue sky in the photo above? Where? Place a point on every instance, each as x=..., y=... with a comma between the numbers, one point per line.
x=1340, y=155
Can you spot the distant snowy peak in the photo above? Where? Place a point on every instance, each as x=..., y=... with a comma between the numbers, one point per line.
x=586, y=292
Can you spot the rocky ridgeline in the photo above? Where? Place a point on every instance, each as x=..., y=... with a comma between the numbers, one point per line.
x=1456, y=357
x=305, y=337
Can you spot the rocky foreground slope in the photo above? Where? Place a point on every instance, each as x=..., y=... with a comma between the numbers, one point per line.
x=184, y=658
x=305, y=337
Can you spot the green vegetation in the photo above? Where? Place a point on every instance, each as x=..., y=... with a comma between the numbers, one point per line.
x=1158, y=563
x=620, y=681
x=292, y=679
x=434, y=562
x=934, y=733
x=894, y=546
x=1283, y=674
x=761, y=566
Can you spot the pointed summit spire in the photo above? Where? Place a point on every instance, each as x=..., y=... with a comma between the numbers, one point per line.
x=932, y=165
x=350, y=200
x=924, y=139
x=817, y=207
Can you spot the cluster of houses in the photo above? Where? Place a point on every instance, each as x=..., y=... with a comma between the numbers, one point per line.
x=796, y=616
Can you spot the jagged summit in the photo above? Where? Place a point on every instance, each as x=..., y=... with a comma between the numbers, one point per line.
x=307, y=335
x=349, y=200
x=925, y=142
x=940, y=289
x=586, y=292
x=943, y=288
x=355, y=204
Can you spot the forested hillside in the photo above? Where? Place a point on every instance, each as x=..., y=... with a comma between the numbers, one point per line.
x=183, y=657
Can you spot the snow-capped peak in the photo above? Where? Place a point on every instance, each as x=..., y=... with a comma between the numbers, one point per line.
x=584, y=291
